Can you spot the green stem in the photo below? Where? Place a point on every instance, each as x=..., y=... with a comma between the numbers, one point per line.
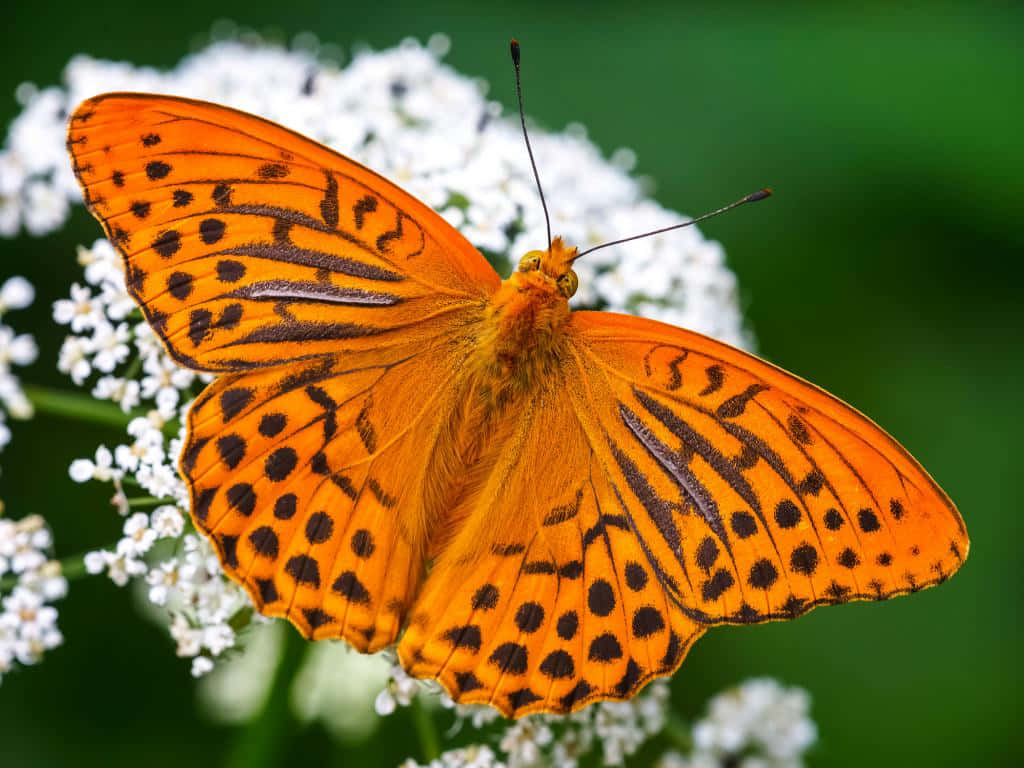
x=262, y=741
x=430, y=744
x=146, y=501
x=133, y=369
x=73, y=567
x=73, y=405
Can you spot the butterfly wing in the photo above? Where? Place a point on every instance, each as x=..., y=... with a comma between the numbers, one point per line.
x=757, y=496
x=545, y=601
x=247, y=245
x=336, y=306
x=309, y=481
x=664, y=483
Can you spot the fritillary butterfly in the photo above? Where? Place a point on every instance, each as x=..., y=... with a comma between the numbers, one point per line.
x=542, y=507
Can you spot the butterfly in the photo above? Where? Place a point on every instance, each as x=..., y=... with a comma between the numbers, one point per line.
x=542, y=507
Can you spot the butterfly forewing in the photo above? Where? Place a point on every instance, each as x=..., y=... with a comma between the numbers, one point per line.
x=247, y=245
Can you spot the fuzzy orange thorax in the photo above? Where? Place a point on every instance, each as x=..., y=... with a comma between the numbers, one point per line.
x=527, y=314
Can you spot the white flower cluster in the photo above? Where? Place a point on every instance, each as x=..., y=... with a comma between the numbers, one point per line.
x=617, y=728
x=110, y=341
x=15, y=349
x=109, y=338
x=758, y=724
x=428, y=128
x=205, y=609
x=474, y=756
x=29, y=582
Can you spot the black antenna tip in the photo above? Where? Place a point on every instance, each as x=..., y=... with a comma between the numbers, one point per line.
x=761, y=194
x=514, y=48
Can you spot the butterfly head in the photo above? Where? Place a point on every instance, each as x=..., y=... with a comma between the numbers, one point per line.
x=552, y=266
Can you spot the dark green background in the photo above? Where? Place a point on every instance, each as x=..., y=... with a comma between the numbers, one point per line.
x=887, y=269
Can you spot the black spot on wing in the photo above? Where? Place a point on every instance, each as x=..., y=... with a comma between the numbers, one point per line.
x=167, y=243
x=272, y=171
x=716, y=378
x=157, y=169
x=737, y=404
x=329, y=203
x=362, y=207
x=348, y=586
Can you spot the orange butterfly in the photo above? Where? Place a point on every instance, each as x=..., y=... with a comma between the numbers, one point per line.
x=544, y=507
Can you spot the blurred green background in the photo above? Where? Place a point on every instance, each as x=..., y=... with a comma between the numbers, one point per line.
x=887, y=269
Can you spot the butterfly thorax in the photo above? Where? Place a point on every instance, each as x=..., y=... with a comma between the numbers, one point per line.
x=524, y=328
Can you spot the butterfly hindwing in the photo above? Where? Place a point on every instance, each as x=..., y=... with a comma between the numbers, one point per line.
x=545, y=601
x=757, y=496
x=248, y=245
x=309, y=482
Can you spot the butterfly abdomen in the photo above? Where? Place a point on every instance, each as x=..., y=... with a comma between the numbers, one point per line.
x=513, y=357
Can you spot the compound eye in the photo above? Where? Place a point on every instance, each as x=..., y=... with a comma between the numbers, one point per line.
x=529, y=263
x=568, y=283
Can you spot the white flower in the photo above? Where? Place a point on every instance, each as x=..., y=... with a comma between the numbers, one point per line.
x=523, y=743
x=138, y=536
x=163, y=381
x=148, y=448
x=218, y=638
x=759, y=717
x=45, y=207
x=121, y=566
x=188, y=638
x=16, y=293
x=124, y=392
x=73, y=359
x=110, y=345
x=201, y=665
x=82, y=312
x=19, y=350
x=167, y=522
x=162, y=579
x=95, y=562
x=102, y=263
x=28, y=623
x=83, y=470
x=384, y=704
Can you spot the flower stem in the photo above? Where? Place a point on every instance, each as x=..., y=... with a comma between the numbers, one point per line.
x=263, y=740
x=146, y=501
x=430, y=745
x=73, y=567
x=73, y=405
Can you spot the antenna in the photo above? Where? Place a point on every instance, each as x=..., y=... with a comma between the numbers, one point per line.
x=514, y=48
x=761, y=194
